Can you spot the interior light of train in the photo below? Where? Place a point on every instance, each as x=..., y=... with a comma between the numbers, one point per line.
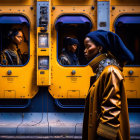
x=43, y=63
x=43, y=40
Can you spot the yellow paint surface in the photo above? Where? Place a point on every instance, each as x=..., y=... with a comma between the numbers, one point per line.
x=24, y=81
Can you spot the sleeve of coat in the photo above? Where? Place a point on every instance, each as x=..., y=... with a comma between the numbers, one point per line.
x=4, y=59
x=64, y=60
x=110, y=104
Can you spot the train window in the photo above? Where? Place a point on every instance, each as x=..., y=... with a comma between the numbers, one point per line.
x=14, y=38
x=128, y=28
x=73, y=27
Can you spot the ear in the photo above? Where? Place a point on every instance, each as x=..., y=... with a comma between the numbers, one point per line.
x=100, y=48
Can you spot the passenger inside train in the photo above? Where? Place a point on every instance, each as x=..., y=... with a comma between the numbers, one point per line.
x=75, y=26
x=14, y=38
x=68, y=55
x=12, y=54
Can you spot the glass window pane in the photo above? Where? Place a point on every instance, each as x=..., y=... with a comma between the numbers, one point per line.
x=14, y=38
x=130, y=34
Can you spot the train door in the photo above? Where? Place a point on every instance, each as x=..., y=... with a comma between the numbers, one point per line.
x=17, y=61
x=128, y=27
x=125, y=21
x=70, y=81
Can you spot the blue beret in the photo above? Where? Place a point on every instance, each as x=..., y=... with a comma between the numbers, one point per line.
x=112, y=42
x=70, y=41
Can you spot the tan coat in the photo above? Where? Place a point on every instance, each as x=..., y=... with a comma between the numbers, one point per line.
x=106, y=111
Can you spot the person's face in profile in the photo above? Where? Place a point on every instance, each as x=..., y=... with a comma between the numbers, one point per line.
x=91, y=50
x=72, y=48
x=18, y=38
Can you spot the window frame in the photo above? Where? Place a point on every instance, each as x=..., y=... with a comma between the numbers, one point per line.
x=28, y=26
x=57, y=51
x=115, y=24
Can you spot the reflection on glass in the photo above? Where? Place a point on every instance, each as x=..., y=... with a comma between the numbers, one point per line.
x=43, y=40
x=43, y=62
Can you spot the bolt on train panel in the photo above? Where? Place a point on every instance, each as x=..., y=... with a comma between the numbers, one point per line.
x=42, y=26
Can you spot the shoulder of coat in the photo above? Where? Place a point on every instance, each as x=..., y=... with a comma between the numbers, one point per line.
x=111, y=69
x=63, y=57
x=5, y=50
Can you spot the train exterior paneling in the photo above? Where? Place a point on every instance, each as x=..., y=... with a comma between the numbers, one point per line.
x=43, y=99
x=43, y=119
x=22, y=81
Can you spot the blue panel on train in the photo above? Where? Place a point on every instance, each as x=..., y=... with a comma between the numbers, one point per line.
x=73, y=20
x=128, y=19
x=13, y=20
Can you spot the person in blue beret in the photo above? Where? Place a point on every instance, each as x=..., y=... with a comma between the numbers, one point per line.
x=68, y=55
x=106, y=110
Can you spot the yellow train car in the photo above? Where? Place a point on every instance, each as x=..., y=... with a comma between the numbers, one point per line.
x=40, y=96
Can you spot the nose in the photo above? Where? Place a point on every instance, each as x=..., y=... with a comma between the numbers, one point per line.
x=21, y=39
x=85, y=50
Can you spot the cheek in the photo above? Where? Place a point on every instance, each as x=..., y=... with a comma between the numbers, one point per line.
x=75, y=48
x=91, y=50
x=16, y=39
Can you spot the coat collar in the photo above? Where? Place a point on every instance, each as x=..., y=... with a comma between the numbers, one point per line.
x=97, y=59
x=101, y=61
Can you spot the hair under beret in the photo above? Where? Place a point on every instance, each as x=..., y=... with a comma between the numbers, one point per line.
x=70, y=41
x=112, y=42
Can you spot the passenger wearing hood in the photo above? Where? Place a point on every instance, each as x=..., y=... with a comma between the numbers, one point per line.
x=68, y=55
